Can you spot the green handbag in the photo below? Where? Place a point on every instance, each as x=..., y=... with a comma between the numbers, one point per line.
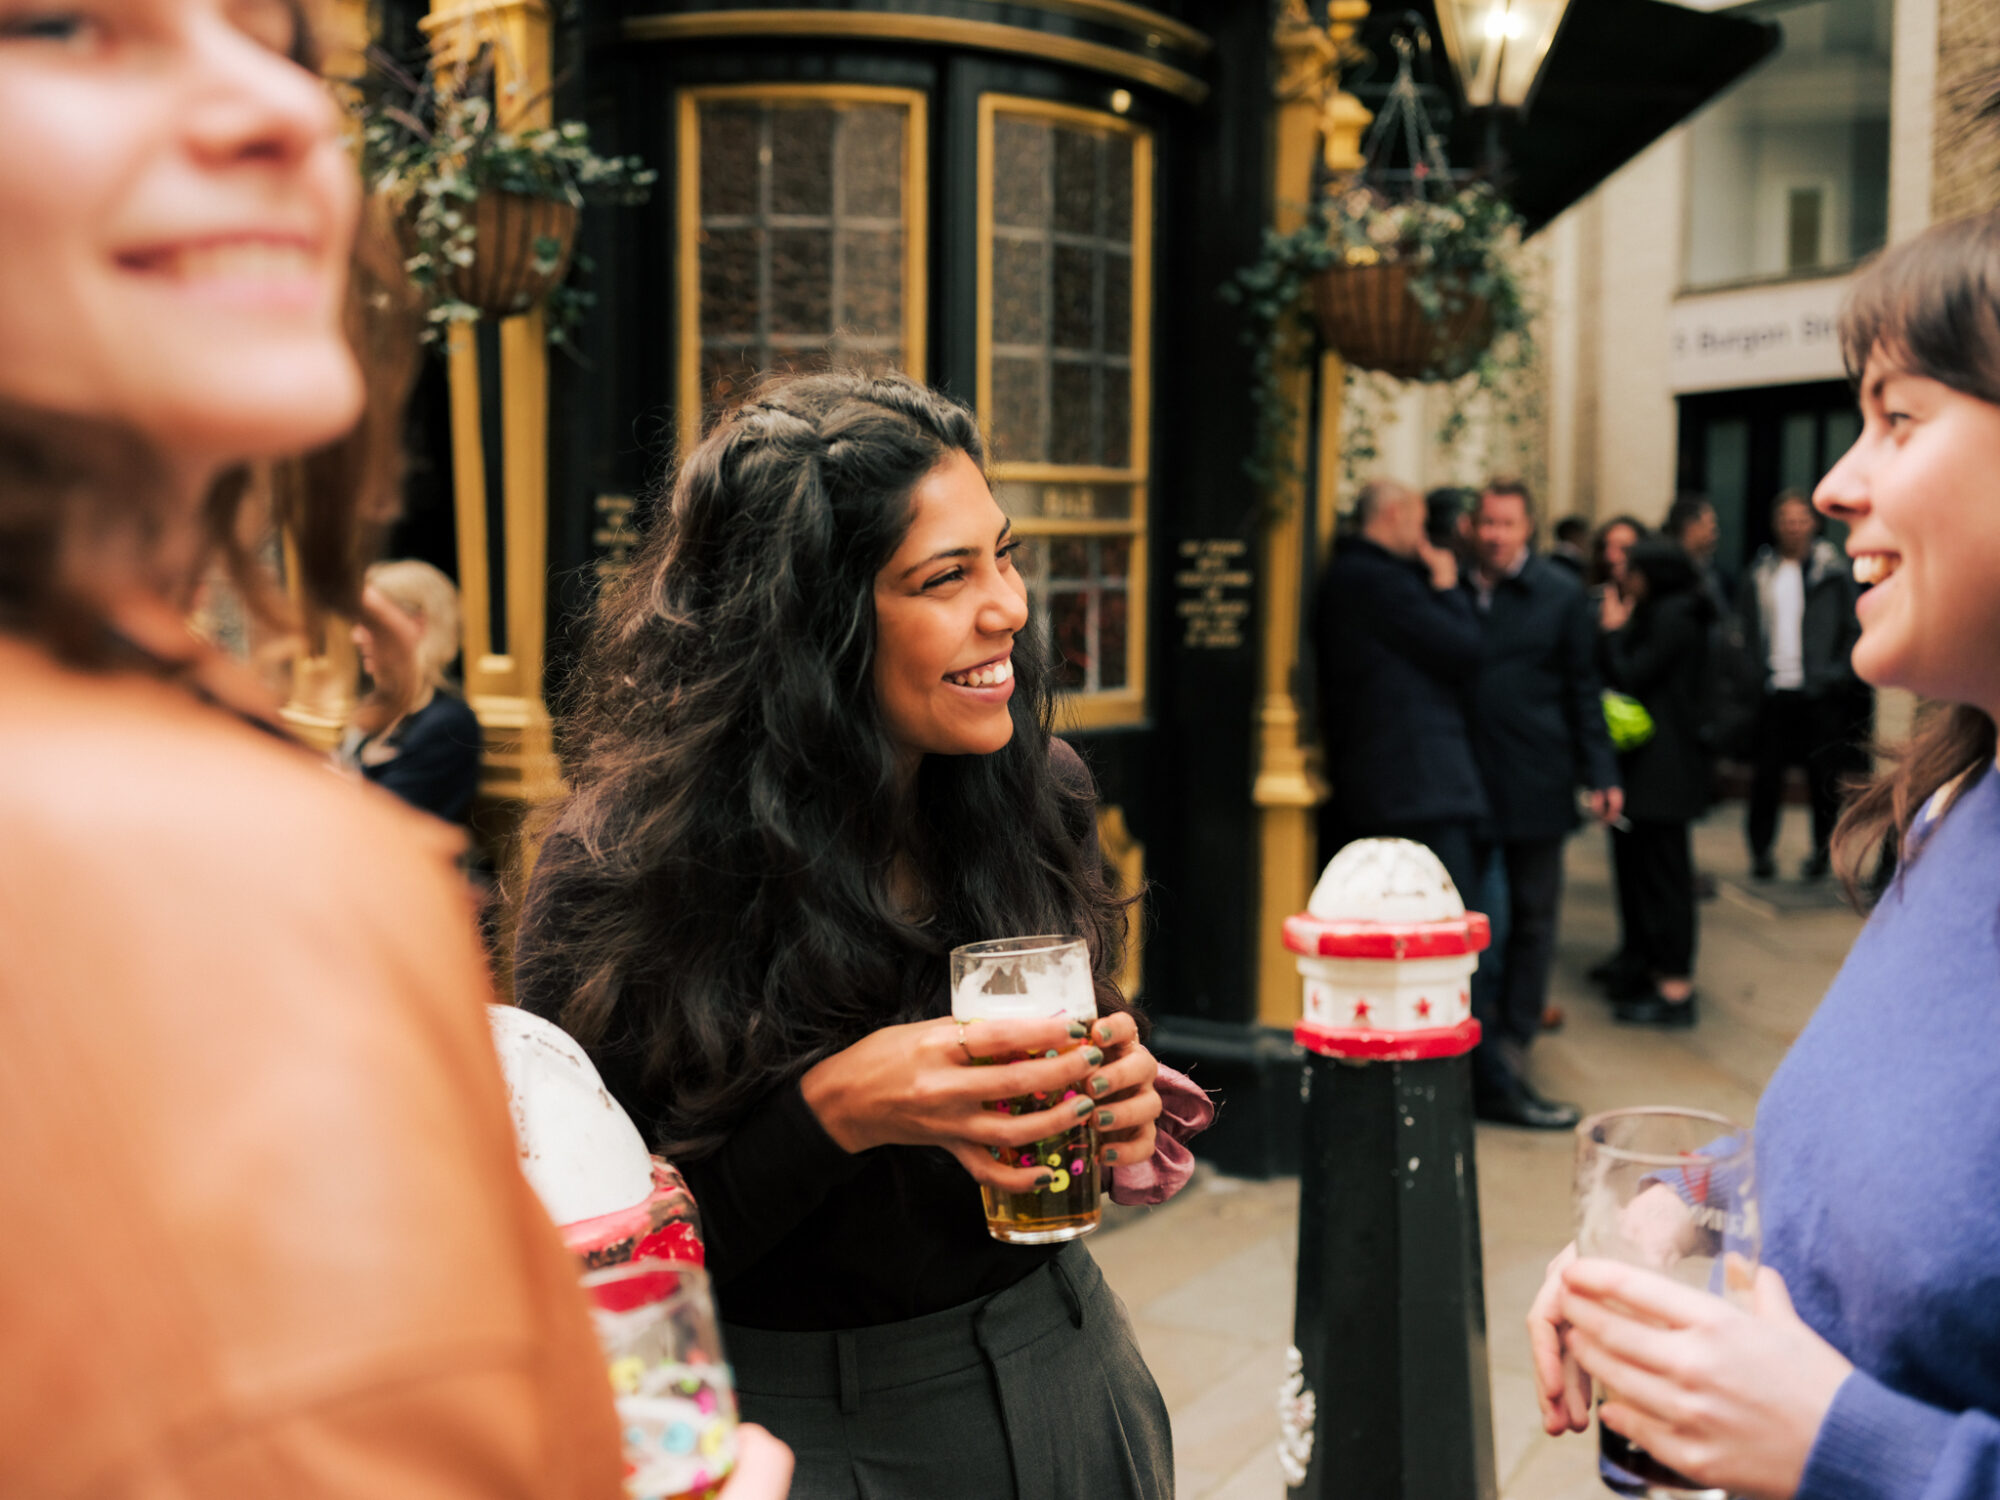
x=1627, y=720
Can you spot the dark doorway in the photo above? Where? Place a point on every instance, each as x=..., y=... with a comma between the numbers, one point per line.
x=1742, y=448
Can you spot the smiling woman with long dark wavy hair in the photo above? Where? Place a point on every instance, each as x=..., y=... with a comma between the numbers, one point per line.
x=811, y=754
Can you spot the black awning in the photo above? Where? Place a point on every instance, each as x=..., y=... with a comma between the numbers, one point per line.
x=1622, y=74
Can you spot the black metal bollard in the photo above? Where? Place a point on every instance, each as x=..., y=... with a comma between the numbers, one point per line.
x=1390, y=1321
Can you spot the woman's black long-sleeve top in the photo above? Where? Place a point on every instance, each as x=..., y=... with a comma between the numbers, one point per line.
x=801, y=1235
x=1660, y=657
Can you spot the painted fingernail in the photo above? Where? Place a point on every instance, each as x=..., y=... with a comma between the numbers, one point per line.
x=1092, y=1056
x=994, y=1152
x=1043, y=1181
x=1078, y=1031
x=1082, y=1108
x=1105, y=1117
x=1104, y=1032
x=1111, y=1156
x=1100, y=1084
x=1052, y=1053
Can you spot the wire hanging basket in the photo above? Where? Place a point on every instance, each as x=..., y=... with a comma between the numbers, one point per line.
x=1371, y=314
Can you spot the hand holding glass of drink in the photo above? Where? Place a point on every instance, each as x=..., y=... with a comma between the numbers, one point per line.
x=1672, y=1192
x=1033, y=978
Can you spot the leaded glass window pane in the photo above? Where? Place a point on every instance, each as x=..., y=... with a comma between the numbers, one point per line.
x=1081, y=586
x=802, y=245
x=1061, y=292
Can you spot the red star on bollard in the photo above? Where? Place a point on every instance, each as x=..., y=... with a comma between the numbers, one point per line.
x=1361, y=1010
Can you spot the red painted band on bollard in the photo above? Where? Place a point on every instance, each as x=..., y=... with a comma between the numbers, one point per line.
x=1388, y=1046
x=1315, y=938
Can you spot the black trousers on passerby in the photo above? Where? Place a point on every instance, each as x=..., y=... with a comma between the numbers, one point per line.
x=1511, y=1009
x=1654, y=864
x=1796, y=730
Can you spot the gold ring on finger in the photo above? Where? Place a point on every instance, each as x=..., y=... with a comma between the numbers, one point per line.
x=961, y=1025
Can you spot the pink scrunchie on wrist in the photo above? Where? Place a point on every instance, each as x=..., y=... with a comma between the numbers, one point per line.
x=1185, y=1111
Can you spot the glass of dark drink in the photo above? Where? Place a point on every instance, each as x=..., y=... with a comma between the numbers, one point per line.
x=1673, y=1190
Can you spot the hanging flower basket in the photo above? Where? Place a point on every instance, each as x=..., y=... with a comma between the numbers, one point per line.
x=523, y=249
x=1372, y=318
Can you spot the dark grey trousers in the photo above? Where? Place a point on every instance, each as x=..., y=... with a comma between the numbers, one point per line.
x=1034, y=1393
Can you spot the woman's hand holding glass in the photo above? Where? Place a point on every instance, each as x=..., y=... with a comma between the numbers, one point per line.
x=1731, y=1396
x=1658, y=1225
x=1128, y=1106
x=917, y=1085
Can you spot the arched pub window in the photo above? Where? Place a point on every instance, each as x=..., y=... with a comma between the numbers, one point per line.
x=1065, y=292
x=802, y=235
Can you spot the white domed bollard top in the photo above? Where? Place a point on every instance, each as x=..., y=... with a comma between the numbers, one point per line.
x=1387, y=949
x=579, y=1149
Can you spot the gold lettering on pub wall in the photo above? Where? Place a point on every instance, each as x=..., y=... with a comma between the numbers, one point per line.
x=1214, y=589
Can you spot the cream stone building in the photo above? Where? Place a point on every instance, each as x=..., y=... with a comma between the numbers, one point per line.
x=1689, y=303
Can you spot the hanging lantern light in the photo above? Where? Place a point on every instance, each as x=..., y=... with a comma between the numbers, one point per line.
x=1498, y=47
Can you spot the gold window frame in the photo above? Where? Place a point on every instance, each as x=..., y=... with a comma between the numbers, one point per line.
x=691, y=400
x=1125, y=705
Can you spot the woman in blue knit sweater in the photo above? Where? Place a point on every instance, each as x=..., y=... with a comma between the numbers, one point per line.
x=1868, y=1364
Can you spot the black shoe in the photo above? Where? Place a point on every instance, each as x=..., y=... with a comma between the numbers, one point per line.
x=1817, y=867
x=1763, y=867
x=1705, y=886
x=1521, y=1105
x=1635, y=984
x=1657, y=1010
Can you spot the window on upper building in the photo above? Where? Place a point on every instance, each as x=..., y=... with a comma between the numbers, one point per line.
x=1788, y=174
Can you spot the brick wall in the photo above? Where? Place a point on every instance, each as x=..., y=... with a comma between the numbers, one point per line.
x=1966, y=162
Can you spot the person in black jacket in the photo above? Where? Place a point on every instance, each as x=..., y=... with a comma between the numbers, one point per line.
x=1655, y=648
x=1398, y=645
x=1538, y=734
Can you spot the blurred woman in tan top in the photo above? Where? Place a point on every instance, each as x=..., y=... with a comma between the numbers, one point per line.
x=265, y=1234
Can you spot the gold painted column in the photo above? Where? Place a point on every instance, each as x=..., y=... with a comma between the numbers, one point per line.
x=1311, y=115
x=503, y=679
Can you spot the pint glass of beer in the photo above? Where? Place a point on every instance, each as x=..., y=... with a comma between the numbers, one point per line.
x=1672, y=1190
x=675, y=1396
x=1034, y=978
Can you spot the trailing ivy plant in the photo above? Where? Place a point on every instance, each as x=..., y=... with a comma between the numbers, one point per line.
x=432, y=147
x=1459, y=249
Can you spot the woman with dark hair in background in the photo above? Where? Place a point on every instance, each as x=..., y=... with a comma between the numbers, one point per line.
x=1608, y=550
x=1655, y=649
x=811, y=754
x=1863, y=1367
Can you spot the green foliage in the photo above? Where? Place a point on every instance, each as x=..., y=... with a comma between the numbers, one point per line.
x=432, y=151
x=1458, y=250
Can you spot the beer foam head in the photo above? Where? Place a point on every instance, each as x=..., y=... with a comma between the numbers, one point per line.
x=1025, y=979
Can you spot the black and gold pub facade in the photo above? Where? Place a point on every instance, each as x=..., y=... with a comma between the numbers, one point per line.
x=1032, y=204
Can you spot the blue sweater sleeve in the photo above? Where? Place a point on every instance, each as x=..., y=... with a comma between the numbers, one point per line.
x=1878, y=1445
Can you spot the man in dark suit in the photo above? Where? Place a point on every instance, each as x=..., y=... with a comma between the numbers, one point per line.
x=1538, y=734
x=1398, y=646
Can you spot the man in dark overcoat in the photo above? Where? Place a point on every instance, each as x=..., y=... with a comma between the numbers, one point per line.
x=1538, y=734
x=1397, y=644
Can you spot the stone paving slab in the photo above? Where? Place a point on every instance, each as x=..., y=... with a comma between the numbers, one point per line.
x=1208, y=1278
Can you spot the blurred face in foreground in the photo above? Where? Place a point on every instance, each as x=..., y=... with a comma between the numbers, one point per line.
x=1920, y=492
x=1500, y=531
x=176, y=215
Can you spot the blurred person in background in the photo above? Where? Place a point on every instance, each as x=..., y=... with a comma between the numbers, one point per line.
x=1691, y=521
x=413, y=734
x=267, y=1231
x=1397, y=649
x=1538, y=735
x=1570, y=547
x=1795, y=617
x=1654, y=648
x=1608, y=548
